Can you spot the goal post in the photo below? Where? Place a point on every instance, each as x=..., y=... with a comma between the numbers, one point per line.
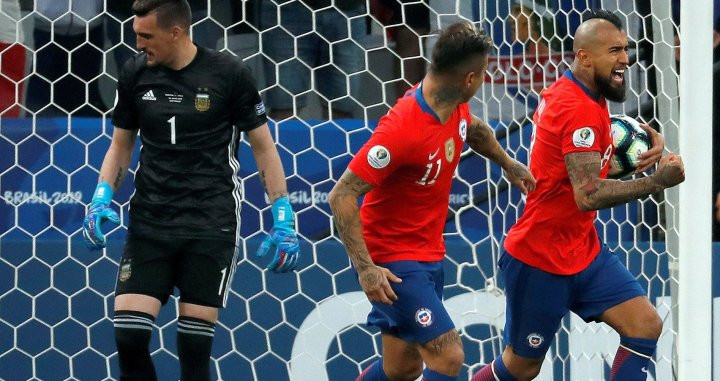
x=56, y=296
x=695, y=254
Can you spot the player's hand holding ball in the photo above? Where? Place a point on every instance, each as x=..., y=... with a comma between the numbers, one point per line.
x=519, y=176
x=283, y=237
x=652, y=155
x=374, y=282
x=670, y=171
x=99, y=212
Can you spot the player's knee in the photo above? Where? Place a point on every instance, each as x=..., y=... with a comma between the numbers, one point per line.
x=130, y=342
x=647, y=325
x=652, y=326
x=446, y=353
x=132, y=331
x=454, y=357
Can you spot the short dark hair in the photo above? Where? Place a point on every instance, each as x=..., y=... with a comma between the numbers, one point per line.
x=605, y=15
x=169, y=12
x=456, y=44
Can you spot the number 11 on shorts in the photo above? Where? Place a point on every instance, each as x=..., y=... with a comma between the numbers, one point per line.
x=222, y=280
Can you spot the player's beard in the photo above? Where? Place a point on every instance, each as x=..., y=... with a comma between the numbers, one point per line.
x=610, y=92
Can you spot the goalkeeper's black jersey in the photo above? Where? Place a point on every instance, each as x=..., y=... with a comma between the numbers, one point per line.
x=190, y=122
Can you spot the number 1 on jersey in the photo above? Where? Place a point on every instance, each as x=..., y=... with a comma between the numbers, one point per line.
x=172, y=129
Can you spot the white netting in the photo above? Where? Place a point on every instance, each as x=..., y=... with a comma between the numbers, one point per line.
x=56, y=296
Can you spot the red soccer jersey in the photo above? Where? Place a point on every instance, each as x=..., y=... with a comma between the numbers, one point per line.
x=409, y=160
x=553, y=234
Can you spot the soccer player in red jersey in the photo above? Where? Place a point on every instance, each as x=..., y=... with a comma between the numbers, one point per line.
x=395, y=240
x=553, y=261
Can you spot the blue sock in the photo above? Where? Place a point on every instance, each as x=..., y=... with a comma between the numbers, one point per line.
x=431, y=375
x=632, y=359
x=374, y=372
x=496, y=370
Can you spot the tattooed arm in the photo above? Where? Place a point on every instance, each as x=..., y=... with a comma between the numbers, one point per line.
x=268, y=162
x=117, y=159
x=481, y=138
x=593, y=193
x=344, y=204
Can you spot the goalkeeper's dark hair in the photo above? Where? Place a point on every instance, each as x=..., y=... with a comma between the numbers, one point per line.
x=605, y=15
x=169, y=12
x=456, y=45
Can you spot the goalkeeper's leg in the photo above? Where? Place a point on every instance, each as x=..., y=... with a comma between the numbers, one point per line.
x=195, y=333
x=134, y=320
x=204, y=273
x=132, y=337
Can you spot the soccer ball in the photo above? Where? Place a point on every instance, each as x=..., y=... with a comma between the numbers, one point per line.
x=630, y=141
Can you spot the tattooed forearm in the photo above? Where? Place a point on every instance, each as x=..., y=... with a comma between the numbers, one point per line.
x=271, y=174
x=262, y=179
x=594, y=193
x=343, y=202
x=119, y=178
x=117, y=158
x=481, y=138
x=271, y=194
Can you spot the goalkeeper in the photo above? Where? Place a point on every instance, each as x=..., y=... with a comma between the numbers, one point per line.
x=190, y=105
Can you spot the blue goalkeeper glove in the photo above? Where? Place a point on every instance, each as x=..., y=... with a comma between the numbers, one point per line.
x=99, y=212
x=283, y=237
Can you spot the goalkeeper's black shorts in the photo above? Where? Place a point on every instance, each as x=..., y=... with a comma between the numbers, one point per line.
x=201, y=269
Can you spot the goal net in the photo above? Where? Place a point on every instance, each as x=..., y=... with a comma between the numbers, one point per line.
x=345, y=59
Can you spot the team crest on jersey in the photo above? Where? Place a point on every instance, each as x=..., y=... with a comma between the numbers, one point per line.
x=125, y=270
x=424, y=317
x=202, y=100
x=535, y=340
x=450, y=149
x=378, y=157
x=583, y=137
x=462, y=129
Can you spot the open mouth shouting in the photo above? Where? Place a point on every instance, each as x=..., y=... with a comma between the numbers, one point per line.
x=618, y=76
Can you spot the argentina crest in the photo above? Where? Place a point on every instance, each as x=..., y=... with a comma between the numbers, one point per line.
x=125, y=270
x=202, y=100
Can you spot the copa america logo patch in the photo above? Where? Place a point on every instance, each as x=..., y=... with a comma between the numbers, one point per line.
x=584, y=137
x=378, y=157
x=462, y=129
x=424, y=317
x=535, y=340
